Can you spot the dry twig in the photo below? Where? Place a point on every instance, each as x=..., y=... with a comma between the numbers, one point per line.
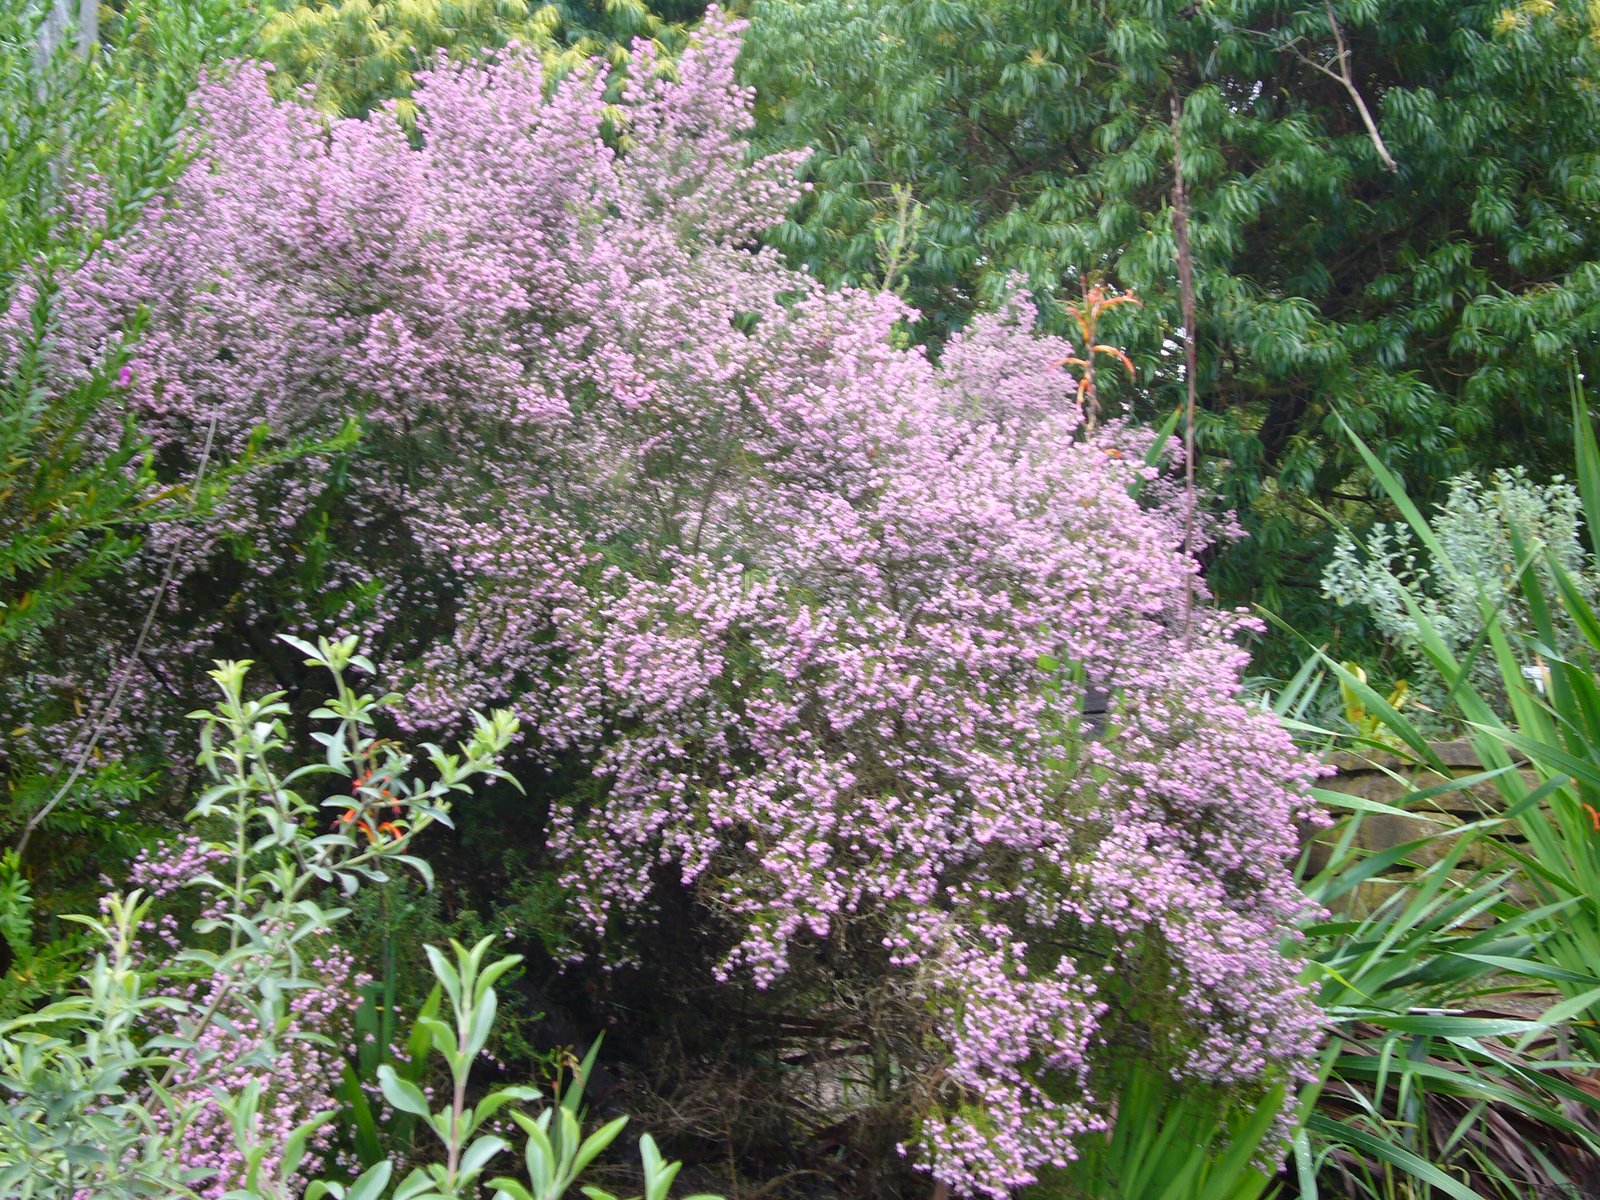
x=1343, y=77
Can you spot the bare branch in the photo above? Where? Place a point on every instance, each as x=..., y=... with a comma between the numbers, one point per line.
x=1345, y=80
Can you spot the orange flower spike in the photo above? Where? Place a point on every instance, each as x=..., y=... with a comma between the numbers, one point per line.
x=371, y=835
x=390, y=828
x=1594, y=816
x=1119, y=356
x=1113, y=301
x=1086, y=314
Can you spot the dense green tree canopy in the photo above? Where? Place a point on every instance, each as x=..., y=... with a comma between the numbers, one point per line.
x=1436, y=306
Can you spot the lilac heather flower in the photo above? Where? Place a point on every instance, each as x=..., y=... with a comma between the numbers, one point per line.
x=817, y=610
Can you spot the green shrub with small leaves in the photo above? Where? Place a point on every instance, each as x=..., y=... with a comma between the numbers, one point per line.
x=113, y=1088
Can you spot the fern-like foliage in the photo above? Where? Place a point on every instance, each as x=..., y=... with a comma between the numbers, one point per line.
x=85, y=143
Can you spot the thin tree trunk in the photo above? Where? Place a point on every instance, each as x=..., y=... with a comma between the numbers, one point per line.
x=1180, y=231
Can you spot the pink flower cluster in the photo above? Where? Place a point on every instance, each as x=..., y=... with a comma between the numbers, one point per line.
x=820, y=611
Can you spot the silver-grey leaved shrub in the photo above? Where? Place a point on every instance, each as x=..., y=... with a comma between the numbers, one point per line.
x=1479, y=527
x=1465, y=1008
x=115, y=1090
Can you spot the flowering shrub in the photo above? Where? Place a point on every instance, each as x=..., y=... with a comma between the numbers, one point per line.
x=818, y=613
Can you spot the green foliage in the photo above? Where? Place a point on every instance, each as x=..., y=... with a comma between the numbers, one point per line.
x=39, y=954
x=557, y=1152
x=67, y=1119
x=1430, y=1078
x=375, y=1032
x=1435, y=306
x=34, y=971
x=67, y=512
x=92, y=1097
x=107, y=816
x=391, y=927
x=1554, y=722
x=1174, y=1144
x=355, y=55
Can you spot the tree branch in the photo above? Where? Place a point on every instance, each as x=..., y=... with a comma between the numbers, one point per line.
x=1344, y=79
